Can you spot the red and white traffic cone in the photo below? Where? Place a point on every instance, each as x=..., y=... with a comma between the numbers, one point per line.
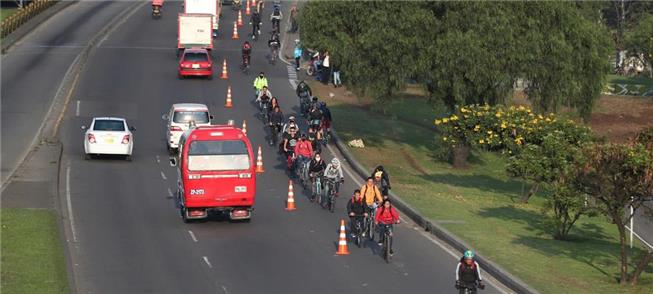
x=224, y=75
x=247, y=11
x=290, y=203
x=234, y=36
x=253, y=3
x=240, y=18
x=245, y=127
x=228, y=104
x=342, y=241
x=259, y=161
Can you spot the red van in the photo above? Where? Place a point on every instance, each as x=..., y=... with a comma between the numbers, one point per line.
x=216, y=172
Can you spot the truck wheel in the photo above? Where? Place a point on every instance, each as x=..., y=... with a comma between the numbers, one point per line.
x=182, y=210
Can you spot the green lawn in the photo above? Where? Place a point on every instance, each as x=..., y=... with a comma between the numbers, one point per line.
x=32, y=253
x=4, y=12
x=483, y=202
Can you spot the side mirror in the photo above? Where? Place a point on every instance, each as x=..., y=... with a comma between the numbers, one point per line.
x=131, y=128
x=164, y=117
x=173, y=161
x=83, y=128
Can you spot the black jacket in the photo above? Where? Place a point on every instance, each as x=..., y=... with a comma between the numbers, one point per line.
x=316, y=167
x=276, y=117
x=357, y=207
x=305, y=88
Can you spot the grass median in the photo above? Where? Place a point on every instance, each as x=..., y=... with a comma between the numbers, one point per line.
x=32, y=253
x=4, y=12
x=480, y=204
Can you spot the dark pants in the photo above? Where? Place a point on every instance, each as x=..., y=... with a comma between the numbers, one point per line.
x=255, y=28
x=293, y=25
x=325, y=75
x=352, y=223
x=382, y=229
x=297, y=62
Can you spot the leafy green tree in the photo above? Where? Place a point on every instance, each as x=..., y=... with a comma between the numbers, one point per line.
x=618, y=176
x=639, y=42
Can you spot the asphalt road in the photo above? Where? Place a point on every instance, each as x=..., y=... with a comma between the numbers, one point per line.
x=33, y=69
x=125, y=234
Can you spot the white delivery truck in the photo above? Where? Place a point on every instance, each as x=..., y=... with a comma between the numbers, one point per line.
x=211, y=7
x=194, y=31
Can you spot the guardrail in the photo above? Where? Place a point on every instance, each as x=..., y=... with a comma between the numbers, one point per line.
x=22, y=15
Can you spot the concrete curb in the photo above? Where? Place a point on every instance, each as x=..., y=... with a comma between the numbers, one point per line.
x=31, y=24
x=441, y=233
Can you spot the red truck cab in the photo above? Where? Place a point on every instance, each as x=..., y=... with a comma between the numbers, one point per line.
x=215, y=172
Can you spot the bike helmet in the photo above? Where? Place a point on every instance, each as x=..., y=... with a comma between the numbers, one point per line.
x=469, y=254
x=314, y=98
x=291, y=118
x=296, y=41
x=335, y=162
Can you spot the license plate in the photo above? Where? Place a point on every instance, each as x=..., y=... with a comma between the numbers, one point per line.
x=108, y=140
x=241, y=189
x=196, y=66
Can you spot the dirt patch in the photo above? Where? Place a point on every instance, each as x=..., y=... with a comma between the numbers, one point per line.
x=620, y=118
x=412, y=162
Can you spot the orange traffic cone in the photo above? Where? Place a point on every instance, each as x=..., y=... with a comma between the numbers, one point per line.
x=290, y=203
x=245, y=127
x=224, y=70
x=247, y=11
x=342, y=241
x=228, y=104
x=253, y=3
x=240, y=18
x=234, y=36
x=259, y=161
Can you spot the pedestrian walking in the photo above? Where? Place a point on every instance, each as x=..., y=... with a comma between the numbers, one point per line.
x=326, y=68
x=297, y=54
x=335, y=68
x=293, y=20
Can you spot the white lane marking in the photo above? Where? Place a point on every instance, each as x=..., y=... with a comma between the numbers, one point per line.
x=77, y=109
x=192, y=236
x=206, y=260
x=157, y=159
x=163, y=176
x=69, y=205
x=170, y=192
x=225, y=290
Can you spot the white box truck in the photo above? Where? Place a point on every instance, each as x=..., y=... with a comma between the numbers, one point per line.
x=211, y=7
x=194, y=31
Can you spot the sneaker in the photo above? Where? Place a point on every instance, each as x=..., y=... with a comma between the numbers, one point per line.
x=392, y=252
x=380, y=244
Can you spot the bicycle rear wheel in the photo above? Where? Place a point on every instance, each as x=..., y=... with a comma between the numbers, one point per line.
x=386, y=248
x=332, y=201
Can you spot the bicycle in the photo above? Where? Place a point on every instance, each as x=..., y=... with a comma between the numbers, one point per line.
x=274, y=52
x=371, y=227
x=360, y=227
x=263, y=106
x=274, y=134
x=316, y=191
x=331, y=190
x=301, y=169
x=244, y=67
x=469, y=288
x=386, y=241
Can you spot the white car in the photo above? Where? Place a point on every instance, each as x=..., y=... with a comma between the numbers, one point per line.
x=179, y=119
x=108, y=135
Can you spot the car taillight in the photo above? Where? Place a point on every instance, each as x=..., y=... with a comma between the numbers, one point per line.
x=194, y=177
x=125, y=139
x=174, y=128
x=91, y=138
x=245, y=175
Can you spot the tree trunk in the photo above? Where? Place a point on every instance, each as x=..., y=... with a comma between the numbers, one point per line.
x=460, y=156
x=531, y=192
x=624, y=258
x=640, y=268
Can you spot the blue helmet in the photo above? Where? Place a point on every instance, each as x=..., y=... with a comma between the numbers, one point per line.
x=469, y=254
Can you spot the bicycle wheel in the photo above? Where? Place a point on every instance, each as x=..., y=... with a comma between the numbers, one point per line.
x=386, y=247
x=370, y=233
x=332, y=201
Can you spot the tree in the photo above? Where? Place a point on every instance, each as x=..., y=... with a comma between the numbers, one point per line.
x=618, y=176
x=620, y=16
x=639, y=42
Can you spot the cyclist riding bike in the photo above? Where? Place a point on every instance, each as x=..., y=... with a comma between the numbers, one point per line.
x=333, y=172
x=303, y=151
x=468, y=273
x=385, y=218
x=290, y=140
x=275, y=121
x=326, y=117
x=371, y=194
x=255, y=21
x=304, y=93
x=285, y=130
x=276, y=17
x=274, y=45
x=314, y=118
x=263, y=98
x=260, y=82
x=357, y=211
x=316, y=169
x=314, y=137
x=247, y=54
x=382, y=180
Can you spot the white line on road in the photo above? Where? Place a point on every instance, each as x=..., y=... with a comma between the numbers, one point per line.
x=157, y=159
x=206, y=260
x=192, y=236
x=225, y=290
x=163, y=176
x=71, y=219
x=170, y=192
x=77, y=109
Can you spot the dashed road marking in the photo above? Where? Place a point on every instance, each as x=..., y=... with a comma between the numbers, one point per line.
x=77, y=109
x=69, y=205
x=192, y=236
x=206, y=260
x=170, y=193
x=163, y=176
x=157, y=159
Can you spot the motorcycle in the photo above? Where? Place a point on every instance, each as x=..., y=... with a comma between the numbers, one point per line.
x=315, y=58
x=156, y=11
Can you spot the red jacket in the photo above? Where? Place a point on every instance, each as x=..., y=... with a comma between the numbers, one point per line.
x=386, y=216
x=304, y=148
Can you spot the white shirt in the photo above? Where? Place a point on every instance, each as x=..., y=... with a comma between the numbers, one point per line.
x=325, y=62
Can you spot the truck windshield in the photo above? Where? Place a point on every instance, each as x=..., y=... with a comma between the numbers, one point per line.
x=218, y=155
x=199, y=117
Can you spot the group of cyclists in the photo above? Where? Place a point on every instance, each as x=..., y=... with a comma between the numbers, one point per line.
x=369, y=209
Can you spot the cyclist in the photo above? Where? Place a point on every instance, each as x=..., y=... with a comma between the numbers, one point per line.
x=304, y=93
x=314, y=118
x=371, y=193
x=468, y=272
x=247, y=54
x=382, y=179
x=263, y=98
x=255, y=21
x=291, y=123
x=385, y=218
x=333, y=173
x=316, y=169
x=357, y=210
x=303, y=151
x=326, y=117
x=274, y=45
x=314, y=137
x=276, y=17
x=275, y=121
x=290, y=140
x=314, y=103
x=260, y=82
